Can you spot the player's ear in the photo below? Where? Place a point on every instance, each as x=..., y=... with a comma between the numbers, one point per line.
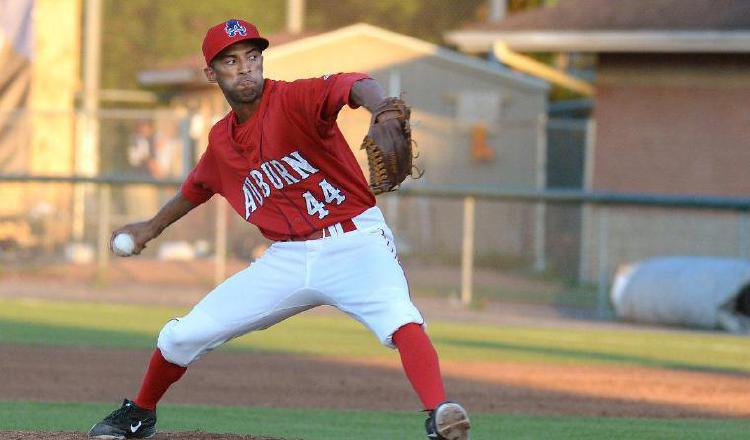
x=210, y=74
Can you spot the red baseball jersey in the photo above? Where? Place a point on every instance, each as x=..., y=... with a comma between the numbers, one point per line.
x=287, y=169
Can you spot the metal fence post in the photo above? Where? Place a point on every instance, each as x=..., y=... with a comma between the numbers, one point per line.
x=603, y=277
x=587, y=214
x=587, y=209
x=467, y=255
x=103, y=233
x=743, y=233
x=392, y=208
x=220, y=256
x=540, y=259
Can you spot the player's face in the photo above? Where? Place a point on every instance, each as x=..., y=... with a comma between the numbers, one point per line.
x=238, y=70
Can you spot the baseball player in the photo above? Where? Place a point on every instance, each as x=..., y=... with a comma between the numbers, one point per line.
x=280, y=160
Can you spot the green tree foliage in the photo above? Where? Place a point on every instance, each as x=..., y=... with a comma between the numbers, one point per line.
x=424, y=19
x=140, y=34
x=520, y=5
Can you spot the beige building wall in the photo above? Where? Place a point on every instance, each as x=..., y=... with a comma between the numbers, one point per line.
x=54, y=90
x=15, y=159
x=50, y=121
x=54, y=82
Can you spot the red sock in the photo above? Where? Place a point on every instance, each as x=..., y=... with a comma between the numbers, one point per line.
x=421, y=365
x=160, y=375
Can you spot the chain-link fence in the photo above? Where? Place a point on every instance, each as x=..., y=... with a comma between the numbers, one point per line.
x=498, y=244
x=542, y=246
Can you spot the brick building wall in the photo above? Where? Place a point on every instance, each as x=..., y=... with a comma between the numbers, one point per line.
x=673, y=124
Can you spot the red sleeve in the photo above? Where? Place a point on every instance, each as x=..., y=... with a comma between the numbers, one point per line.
x=325, y=96
x=203, y=181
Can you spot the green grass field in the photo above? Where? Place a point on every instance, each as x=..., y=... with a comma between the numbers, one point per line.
x=58, y=323
x=348, y=425
x=41, y=322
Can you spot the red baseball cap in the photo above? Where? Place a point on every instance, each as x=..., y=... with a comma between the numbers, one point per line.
x=224, y=34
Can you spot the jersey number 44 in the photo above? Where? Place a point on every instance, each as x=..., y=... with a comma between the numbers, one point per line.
x=331, y=194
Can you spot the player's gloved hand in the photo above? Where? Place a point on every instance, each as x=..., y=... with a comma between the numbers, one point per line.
x=389, y=145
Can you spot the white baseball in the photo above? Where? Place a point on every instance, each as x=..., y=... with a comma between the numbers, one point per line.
x=123, y=244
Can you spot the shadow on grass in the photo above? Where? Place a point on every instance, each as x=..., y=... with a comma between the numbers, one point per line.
x=24, y=333
x=19, y=332
x=592, y=356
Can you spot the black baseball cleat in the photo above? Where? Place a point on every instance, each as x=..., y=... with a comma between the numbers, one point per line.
x=449, y=421
x=128, y=421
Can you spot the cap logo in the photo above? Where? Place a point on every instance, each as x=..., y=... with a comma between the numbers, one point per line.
x=234, y=28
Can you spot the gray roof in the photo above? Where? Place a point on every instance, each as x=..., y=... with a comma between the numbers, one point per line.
x=629, y=15
x=599, y=26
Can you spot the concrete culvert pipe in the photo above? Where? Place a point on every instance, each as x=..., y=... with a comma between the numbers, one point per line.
x=702, y=292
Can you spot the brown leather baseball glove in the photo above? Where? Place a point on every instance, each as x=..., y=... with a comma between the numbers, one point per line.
x=389, y=146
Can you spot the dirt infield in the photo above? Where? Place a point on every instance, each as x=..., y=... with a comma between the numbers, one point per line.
x=286, y=381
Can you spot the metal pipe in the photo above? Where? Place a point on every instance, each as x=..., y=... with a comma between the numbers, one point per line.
x=475, y=191
x=603, y=263
x=467, y=252
x=295, y=16
x=744, y=234
x=540, y=211
x=498, y=10
x=103, y=234
x=587, y=210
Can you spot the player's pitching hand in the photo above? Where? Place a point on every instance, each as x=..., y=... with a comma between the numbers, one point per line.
x=141, y=232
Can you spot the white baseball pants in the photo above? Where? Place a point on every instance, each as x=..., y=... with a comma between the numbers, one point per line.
x=357, y=272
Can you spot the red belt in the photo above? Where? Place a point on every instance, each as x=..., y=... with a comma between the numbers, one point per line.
x=329, y=231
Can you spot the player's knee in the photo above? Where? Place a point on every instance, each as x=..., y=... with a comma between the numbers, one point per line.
x=171, y=345
x=181, y=344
